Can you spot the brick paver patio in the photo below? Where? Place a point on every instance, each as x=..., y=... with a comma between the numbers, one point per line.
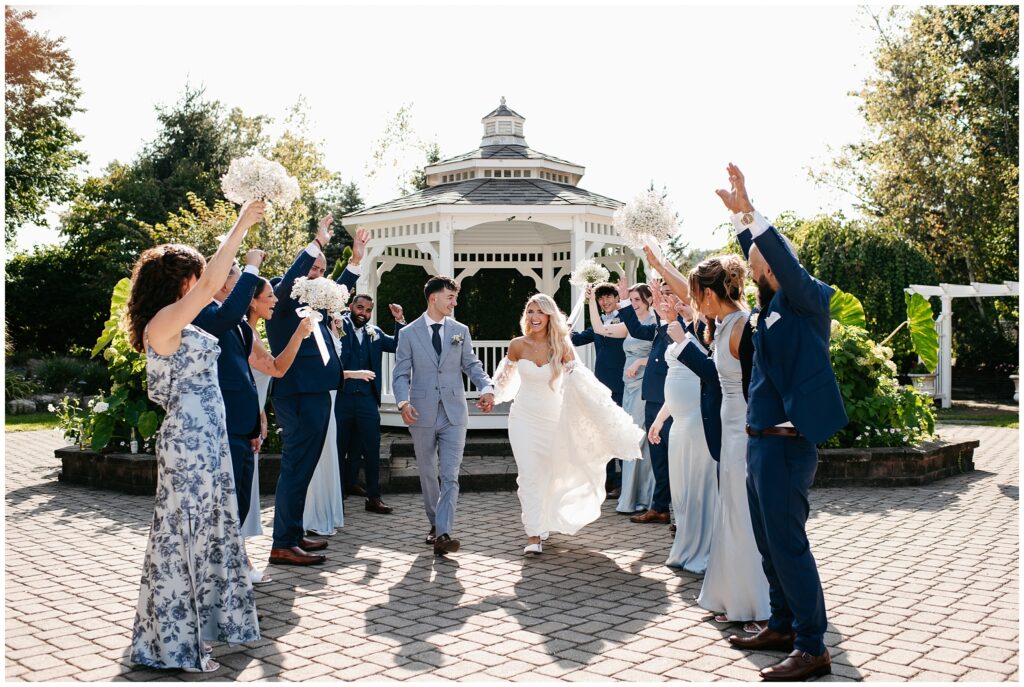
x=920, y=583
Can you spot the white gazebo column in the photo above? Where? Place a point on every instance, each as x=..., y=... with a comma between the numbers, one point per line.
x=578, y=252
x=945, y=327
x=445, y=260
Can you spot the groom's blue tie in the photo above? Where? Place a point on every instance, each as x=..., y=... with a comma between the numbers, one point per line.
x=436, y=338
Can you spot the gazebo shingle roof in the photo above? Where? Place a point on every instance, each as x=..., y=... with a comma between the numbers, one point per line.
x=503, y=110
x=496, y=192
x=505, y=152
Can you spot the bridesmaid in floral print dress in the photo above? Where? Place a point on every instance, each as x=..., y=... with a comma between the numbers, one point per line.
x=195, y=584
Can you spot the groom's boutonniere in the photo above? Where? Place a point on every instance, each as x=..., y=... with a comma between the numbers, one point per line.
x=457, y=340
x=372, y=333
x=753, y=322
x=615, y=320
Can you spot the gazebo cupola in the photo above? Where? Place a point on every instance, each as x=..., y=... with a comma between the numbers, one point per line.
x=503, y=126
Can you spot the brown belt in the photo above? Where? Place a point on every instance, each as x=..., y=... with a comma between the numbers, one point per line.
x=773, y=432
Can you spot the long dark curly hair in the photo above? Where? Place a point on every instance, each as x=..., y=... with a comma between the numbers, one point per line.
x=157, y=281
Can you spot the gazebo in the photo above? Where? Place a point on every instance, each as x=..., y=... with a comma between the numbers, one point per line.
x=502, y=205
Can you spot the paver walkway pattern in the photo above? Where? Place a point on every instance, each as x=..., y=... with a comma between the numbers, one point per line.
x=920, y=584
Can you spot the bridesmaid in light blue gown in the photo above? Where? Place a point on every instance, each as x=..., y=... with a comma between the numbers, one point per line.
x=637, y=491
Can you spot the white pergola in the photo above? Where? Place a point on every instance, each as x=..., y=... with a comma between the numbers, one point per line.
x=944, y=323
x=502, y=205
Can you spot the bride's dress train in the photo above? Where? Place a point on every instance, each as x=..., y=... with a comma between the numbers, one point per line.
x=562, y=438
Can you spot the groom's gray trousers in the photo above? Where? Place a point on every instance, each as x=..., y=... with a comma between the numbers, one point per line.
x=438, y=457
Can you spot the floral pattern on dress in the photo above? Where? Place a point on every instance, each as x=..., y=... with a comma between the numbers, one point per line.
x=195, y=585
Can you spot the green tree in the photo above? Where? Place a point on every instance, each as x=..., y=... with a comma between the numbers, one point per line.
x=874, y=264
x=940, y=161
x=41, y=96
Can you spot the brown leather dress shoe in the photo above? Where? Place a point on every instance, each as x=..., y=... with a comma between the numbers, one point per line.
x=651, y=516
x=431, y=535
x=375, y=505
x=313, y=544
x=765, y=639
x=799, y=665
x=445, y=544
x=356, y=490
x=295, y=556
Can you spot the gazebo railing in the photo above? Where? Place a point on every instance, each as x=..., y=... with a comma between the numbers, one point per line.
x=490, y=354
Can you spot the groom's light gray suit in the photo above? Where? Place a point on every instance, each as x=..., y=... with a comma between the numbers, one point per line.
x=433, y=386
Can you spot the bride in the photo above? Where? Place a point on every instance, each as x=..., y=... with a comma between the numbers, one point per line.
x=563, y=426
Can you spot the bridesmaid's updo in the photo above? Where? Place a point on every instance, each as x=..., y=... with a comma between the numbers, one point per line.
x=726, y=276
x=158, y=279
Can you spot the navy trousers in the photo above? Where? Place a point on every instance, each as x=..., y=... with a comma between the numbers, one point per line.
x=659, y=459
x=613, y=477
x=780, y=471
x=242, y=466
x=358, y=420
x=304, y=420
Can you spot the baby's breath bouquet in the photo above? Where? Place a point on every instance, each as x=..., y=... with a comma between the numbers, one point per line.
x=588, y=273
x=256, y=178
x=647, y=219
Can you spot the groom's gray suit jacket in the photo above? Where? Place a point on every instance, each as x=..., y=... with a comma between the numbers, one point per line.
x=424, y=380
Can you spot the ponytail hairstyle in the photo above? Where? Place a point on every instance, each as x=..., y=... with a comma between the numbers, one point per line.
x=158, y=279
x=726, y=276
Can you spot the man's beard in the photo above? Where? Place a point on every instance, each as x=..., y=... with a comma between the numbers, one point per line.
x=765, y=292
x=359, y=320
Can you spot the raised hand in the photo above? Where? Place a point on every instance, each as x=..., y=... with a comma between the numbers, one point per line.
x=676, y=332
x=654, y=260
x=252, y=213
x=305, y=327
x=685, y=310
x=735, y=199
x=397, y=312
x=623, y=286
x=254, y=257
x=324, y=231
x=588, y=293
x=359, y=247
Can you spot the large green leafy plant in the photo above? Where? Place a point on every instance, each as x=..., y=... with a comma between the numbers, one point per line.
x=123, y=412
x=882, y=412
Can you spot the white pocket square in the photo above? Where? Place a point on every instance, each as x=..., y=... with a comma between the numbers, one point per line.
x=772, y=319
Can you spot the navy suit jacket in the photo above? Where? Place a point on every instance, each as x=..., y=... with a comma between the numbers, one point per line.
x=792, y=377
x=234, y=336
x=609, y=361
x=382, y=344
x=308, y=374
x=653, y=389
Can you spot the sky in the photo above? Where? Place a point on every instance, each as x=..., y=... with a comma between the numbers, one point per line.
x=668, y=94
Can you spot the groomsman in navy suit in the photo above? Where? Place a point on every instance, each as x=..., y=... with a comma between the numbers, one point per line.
x=794, y=404
x=653, y=393
x=223, y=318
x=357, y=409
x=608, y=365
x=302, y=399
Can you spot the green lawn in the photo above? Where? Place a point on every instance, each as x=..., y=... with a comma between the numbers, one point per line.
x=988, y=417
x=27, y=423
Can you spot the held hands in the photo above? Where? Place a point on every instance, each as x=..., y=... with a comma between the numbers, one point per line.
x=486, y=403
x=324, y=231
x=251, y=214
x=735, y=199
x=676, y=332
x=397, y=312
x=254, y=257
x=359, y=247
x=409, y=414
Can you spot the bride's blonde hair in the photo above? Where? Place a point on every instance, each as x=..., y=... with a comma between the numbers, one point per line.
x=558, y=332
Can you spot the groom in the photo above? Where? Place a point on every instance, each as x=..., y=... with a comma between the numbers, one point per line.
x=433, y=353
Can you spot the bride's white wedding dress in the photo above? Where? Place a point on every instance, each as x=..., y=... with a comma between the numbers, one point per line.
x=562, y=438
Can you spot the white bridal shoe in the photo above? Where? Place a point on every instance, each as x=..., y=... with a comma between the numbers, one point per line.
x=259, y=577
x=544, y=536
x=533, y=548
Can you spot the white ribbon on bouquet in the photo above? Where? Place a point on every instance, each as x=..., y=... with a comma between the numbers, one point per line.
x=317, y=317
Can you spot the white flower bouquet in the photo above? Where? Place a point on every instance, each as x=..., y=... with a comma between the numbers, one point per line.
x=588, y=273
x=646, y=219
x=317, y=295
x=256, y=178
